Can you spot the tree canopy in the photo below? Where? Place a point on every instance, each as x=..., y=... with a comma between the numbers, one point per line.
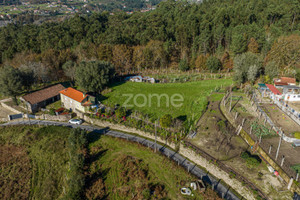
x=92, y=76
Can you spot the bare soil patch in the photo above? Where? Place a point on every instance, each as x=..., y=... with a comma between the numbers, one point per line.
x=15, y=173
x=5, y=112
x=215, y=136
x=281, y=119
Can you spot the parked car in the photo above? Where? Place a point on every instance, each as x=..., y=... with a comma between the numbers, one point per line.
x=75, y=121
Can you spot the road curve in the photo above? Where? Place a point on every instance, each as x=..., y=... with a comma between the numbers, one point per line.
x=221, y=189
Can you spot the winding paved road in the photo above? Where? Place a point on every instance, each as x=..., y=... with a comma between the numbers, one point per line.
x=222, y=190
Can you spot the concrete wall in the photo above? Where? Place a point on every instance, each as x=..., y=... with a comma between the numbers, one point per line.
x=61, y=118
x=292, y=97
x=69, y=103
x=10, y=108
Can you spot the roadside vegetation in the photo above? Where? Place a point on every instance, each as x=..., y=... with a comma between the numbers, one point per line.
x=125, y=170
x=63, y=163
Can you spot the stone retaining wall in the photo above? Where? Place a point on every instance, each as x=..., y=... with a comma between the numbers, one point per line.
x=10, y=108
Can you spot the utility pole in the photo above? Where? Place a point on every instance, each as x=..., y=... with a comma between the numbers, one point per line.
x=28, y=114
x=280, y=139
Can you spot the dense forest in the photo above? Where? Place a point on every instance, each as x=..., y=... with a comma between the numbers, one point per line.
x=212, y=35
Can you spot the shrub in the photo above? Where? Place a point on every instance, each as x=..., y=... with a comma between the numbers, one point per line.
x=183, y=65
x=121, y=112
x=165, y=121
x=213, y=64
x=52, y=111
x=251, y=160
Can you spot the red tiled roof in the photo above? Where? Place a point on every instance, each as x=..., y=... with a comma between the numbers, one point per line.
x=280, y=83
x=74, y=94
x=273, y=89
x=288, y=80
x=43, y=94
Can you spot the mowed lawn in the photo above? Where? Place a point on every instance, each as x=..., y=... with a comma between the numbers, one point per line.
x=131, y=170
x=194, y=95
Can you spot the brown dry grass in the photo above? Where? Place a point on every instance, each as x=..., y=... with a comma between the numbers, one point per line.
x=15, y=173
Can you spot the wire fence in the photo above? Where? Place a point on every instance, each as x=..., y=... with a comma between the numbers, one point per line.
x=263, y=119
x=226, y=168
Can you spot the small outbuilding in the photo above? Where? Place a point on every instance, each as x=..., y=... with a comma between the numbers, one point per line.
x=39, y=99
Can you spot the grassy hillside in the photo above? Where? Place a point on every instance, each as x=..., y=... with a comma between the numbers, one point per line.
x=43, y=162
x=193, y=93
x=54, y=163
x=123, y=170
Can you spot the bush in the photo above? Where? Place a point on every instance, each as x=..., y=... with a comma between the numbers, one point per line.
x=52, y=111
x=183, y=65
x=251, y=160
x=121, y=112
x=165, y=121
x=213, y=64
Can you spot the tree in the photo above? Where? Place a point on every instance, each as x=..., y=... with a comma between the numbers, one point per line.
x=40, y=71
x=200, y=62
x=285, y=51
x=252, y=73
x=242, y=65
x=239, y=43
x=70, y=69
x=226, y=61
x=10, y=82
x=183, y=65
x=165, y=121
x=122, y=57
x=27, y=75
x=253, y=46
x=213, y=64
x=93, y=75
x=271, y=70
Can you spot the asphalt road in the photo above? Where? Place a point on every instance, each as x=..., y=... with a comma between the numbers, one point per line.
x=222, y=190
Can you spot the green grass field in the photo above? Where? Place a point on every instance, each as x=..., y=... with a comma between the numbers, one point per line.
x=194, y=96
x=131, y=170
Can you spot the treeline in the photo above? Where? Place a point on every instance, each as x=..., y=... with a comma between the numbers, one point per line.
x=177, y=34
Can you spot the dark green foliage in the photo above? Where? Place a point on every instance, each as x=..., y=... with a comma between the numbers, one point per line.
x=252, y=161
x=11, y=81
x=213, y=64
x=166, y=121
x=183, y=28
x=52, y=111
x=76, y=142
x=183, y=65
x=121, y=112
x=92, y=76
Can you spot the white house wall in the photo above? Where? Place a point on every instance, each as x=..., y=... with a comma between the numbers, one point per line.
x=71, y=103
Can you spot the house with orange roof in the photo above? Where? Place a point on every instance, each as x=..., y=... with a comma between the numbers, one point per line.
x=75, y=100
x=284, y=81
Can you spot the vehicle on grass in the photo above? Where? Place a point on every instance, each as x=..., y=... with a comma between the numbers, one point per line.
x=75, y=121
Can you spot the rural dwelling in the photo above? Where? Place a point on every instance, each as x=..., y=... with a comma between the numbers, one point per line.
x=39, y=99
x=279, y=82
x=291, y=93
x=273, y=92
x=75, y=100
